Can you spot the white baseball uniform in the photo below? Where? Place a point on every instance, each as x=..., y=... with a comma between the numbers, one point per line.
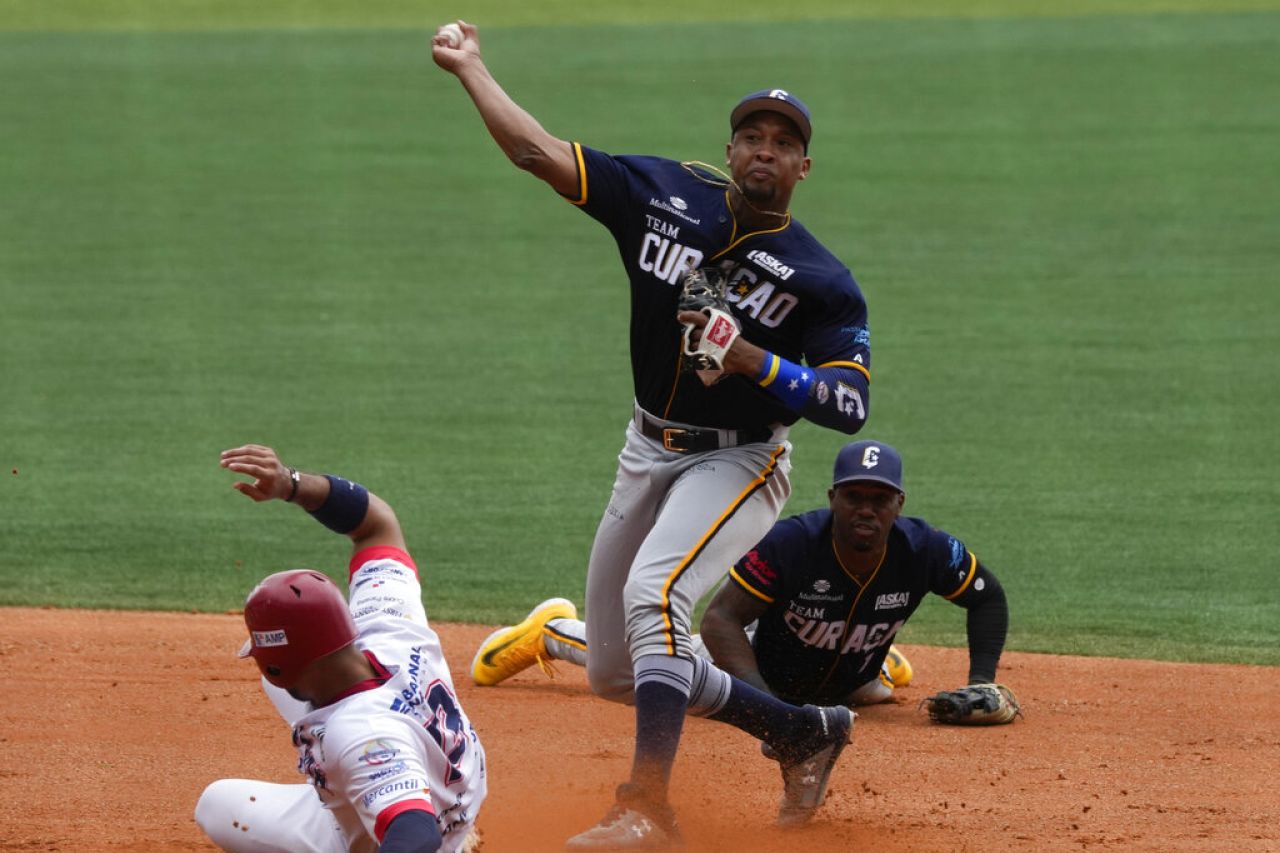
x=395, y=743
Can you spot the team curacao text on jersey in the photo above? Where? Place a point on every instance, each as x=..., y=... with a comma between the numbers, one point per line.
x=838, y=625
x=757, y=296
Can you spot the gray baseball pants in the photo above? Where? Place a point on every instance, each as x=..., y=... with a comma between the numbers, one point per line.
x=674, y=525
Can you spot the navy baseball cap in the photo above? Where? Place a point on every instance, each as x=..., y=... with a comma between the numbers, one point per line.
x=777, y=101
x=868, y=460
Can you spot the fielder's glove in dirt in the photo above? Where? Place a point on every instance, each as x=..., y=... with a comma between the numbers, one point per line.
x=975, y=705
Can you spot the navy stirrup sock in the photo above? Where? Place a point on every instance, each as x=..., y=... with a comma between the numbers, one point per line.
x=662, y=698
x=659, y=721
x=787, y=728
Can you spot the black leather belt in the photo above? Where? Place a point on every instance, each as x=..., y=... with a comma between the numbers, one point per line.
x=695, y=440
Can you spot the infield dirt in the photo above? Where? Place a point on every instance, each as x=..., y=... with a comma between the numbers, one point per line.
x=112, y=724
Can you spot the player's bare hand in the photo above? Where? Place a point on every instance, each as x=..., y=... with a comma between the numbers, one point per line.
x=742, y=357
x=271, y=477
x=449, y=53
x=693, y=318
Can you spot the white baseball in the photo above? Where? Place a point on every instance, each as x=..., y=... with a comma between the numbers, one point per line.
x=452, y=34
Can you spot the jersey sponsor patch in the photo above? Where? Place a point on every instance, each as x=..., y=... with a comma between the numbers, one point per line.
x=384, y=772
x=377, y=752
x=957, y=552
x=861, y=334
x=381, y=572
x=400, y=786
x=819, y=596
x=770, y=263
x=676, y=206
x=759, y=568
x=378, y=604
x=892, y=600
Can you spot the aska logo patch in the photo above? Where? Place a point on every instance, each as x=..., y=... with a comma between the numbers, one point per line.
x=892, y=600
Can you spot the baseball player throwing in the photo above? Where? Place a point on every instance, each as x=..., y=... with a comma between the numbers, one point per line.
x=380, y=734
x=741, y=323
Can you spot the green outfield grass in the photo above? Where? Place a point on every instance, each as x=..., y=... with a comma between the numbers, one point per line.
x=150, y=15
x=223, y=225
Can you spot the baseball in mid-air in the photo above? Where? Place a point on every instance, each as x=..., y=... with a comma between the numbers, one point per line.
x=452, y=34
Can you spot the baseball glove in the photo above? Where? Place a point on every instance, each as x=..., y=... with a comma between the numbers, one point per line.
x=703, y=290
x=975, y=705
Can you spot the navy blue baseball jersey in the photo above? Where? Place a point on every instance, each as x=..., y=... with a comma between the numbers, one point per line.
x=791, y=296
x=825, y=634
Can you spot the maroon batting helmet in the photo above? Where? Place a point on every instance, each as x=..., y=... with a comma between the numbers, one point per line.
x=293, y=618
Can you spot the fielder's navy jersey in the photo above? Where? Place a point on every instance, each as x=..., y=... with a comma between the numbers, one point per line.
x=824, y=634
x=790, y=295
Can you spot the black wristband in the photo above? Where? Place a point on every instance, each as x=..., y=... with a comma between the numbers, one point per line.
x=294, y=478
x=345, y=507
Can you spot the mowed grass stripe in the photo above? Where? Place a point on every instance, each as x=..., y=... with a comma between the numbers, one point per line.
x=206, y=15
x=1064, y=228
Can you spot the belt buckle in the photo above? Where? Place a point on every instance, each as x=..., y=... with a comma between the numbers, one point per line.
x=669, y=437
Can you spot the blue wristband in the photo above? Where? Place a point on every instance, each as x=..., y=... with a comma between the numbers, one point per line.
x=345, y=507
x=786, y=380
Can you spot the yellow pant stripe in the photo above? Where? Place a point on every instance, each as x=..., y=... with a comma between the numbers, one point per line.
x=746, y=493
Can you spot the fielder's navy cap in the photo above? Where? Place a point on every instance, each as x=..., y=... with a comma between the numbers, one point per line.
x=777, y=101
x=868, y=460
